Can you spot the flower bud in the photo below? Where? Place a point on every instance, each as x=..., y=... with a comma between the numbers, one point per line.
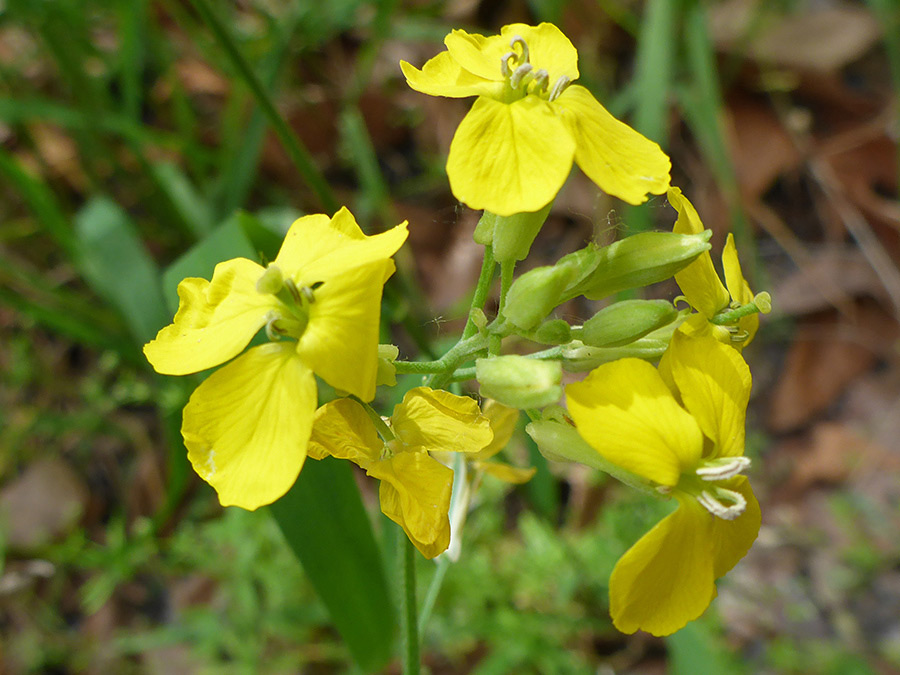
x=578, y=357
x=535, y=294
x=559, y=441
x=626, y=321
x=519, y=382
x=553, y=332
x=513, y=235
x=640, y=260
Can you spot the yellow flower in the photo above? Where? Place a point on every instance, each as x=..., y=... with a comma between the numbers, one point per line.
x=503, y=421
x=702, y=287
x=515, y=147
x=415, y=488
x=681, y=428
x=246, y=427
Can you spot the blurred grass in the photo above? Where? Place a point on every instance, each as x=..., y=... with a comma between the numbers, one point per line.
x=160, y=163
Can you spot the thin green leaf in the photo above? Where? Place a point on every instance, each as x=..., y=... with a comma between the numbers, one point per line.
x=324, y=521
x=118, y=267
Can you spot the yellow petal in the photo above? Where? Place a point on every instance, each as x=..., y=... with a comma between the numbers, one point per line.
x=548, y=48
x=503, y=421
x=215, y=320
x=738, y=288
x=625, y=411
x=506, y=473
x=415, y=494
x=617, y=158
x=434, y=419
x=342, y=429
x=477, y=54
x=317, y=248
x=732, y=539
x=442, y=76
x=509, y=158
x=714, y=383
x=341, y=340
x=246, y=427
x=666, y=578
x=698, y=281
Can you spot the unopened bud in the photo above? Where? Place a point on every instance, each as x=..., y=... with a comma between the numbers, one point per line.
x=535, y=294
x=578, y=357
x=553, y=332
x=518, y=381
x=626, y=321
x=640, y=260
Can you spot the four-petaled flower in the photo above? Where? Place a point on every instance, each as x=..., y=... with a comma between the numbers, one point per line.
x=246, y=426
x=704, y=290
x=681, y=428
x=415, y=488
x=515, y=147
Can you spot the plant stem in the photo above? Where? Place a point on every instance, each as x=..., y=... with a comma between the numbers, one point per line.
x=408, y=624
x=481, y=290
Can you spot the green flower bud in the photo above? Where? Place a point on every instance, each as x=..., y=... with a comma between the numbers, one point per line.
x=639, y=260
x=513, y=235
x=553, y=332
x=519, y=382
x=578, y=357
x=559, y=441
x=535, y=294
x=626, y=321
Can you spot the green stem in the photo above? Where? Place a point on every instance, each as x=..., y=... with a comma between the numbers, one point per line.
x=443, y=564
x=380, y=425
x=292, y=143
x=408, y=624
x=481, y=290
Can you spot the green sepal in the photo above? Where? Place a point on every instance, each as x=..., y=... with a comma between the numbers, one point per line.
x=552, y=332
x=624, y=322
x=513, y=235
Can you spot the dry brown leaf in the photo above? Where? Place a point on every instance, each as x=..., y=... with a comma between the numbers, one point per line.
x=42, y=504
x=825, y=357
x=827, y=271
x=818, y=38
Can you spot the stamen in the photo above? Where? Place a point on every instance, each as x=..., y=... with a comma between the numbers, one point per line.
x=722, y=468
x=717, y=508
x=519, y=74
x=307, y=294
x=292, y=287
x=273, y=332
x=519, y=40
x=559, y=87
x=541, y=80
x=504, y=62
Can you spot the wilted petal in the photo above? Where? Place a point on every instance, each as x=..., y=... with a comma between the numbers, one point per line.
x=215, y=320
x=738, y=288
x=415, y=494
x=506, y=472
x=436, y=420
x=477, y=54
x=503, y=421
x=246, y=427
x=666, y=578
x=625, y=411
x=617, y=158
x=442, y=76
x=698, y=281
x=509, y=157
x=342, y=429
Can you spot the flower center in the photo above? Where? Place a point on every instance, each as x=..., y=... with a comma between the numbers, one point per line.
x=292, y=317
x=521, y=77
x=720, y=501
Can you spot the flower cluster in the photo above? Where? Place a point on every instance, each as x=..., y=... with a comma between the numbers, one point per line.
x=675, y=429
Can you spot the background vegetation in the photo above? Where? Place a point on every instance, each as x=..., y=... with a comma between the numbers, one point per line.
x=141, y=139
